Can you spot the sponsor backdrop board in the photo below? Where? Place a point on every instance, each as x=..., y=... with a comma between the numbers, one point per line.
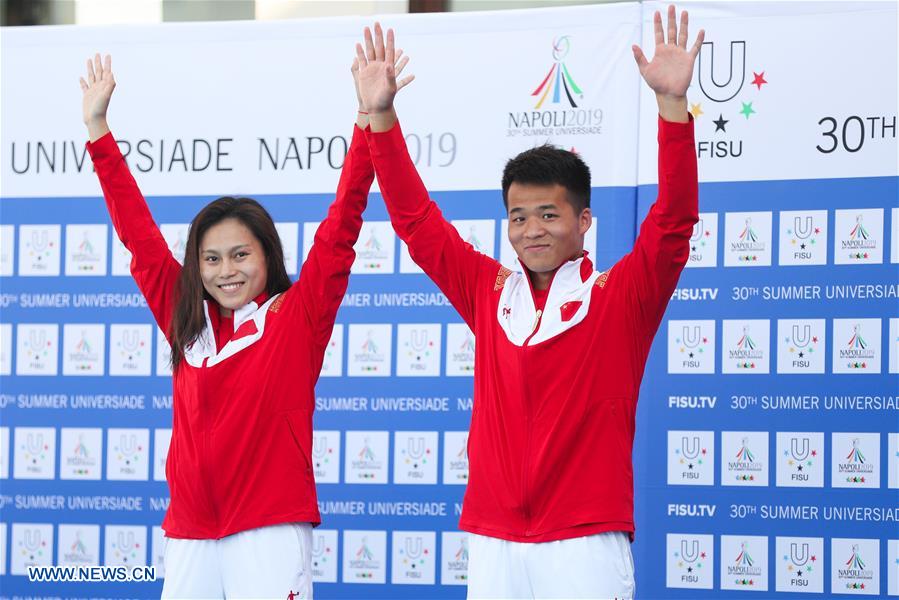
x=85, y=406
x=772, y=385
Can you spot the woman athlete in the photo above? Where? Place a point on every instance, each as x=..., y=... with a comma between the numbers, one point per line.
x=247, y=349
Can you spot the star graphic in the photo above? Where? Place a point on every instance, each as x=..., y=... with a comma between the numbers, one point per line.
x=690, y=466
x=814, y=558
x=815, y=339
x=799, y=572
x=799, y=468
x=720, y=123
x=817, y=230
x=702, y=555
x=696, y=110
x=747, y=109
x=801, y=354
x=691, y=355
x=759, y=79
x=689, y=569
x=802, y=246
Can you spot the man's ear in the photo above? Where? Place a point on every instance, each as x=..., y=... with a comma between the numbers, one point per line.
x=585, y=220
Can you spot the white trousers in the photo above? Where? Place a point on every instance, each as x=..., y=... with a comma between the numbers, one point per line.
x=593, y=566
x=268, y=562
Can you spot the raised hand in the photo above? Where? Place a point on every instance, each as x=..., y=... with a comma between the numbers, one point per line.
x=401, y=62
x=376, y=70
x=671, y=69
x=97, y=91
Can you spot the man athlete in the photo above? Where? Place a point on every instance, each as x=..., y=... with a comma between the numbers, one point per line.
x=549, y=503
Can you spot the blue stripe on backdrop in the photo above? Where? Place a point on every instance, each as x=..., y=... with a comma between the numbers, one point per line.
x=720, y=403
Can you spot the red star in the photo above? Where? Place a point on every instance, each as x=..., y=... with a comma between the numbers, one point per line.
x=814, y=453
x=866, y=255
x=705, y=340
x=702, y=555
x=817, y=230
x=814, y=558
x=815, y=339
x=703, y=450
x=759, y=79
x=863, y=586
x=863, y=479
x=707, y=234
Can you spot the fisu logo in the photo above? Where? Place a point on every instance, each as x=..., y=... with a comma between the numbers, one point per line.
x=799, y=554
x=801, y=340
x=415, y=448
x=689, y=553
x=690, y=451
x=799, y=448
x=691, y=336
x=803, y=227
x=729, y=88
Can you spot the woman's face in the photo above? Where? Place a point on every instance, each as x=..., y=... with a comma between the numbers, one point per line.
x=232, y=264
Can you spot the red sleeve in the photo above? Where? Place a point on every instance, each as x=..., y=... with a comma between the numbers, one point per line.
x=152, y=265
x=662, y=248
x=323, y=279
x=434, y=244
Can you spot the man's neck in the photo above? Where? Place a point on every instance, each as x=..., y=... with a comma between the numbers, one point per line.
x=541, y=281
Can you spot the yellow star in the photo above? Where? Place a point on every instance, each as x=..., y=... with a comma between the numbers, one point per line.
x=696, y=109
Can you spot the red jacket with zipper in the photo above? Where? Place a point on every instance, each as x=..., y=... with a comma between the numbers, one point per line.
x=244, y=394
x=555, y=391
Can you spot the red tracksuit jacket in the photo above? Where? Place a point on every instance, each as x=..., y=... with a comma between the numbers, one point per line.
x=555, y=391
x=243, y=400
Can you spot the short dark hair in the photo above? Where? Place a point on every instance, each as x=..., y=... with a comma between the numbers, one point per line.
x=548, y=165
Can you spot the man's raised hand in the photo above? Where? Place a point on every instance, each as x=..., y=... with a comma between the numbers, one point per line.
x=376, y=68
x=671, y=68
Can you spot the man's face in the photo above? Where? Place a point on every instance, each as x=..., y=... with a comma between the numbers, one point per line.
x=544, y=228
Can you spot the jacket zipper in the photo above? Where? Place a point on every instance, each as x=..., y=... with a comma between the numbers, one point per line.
x=529, y=410
x=207, y=465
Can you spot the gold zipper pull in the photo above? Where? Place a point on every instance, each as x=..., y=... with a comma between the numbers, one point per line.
x=537, y=321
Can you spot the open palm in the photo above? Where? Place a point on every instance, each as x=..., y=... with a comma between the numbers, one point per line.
x=375, y=70
x=671, y=69
x=97, y=88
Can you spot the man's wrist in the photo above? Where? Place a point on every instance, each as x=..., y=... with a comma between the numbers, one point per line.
x=672, y=108
x=382, y=120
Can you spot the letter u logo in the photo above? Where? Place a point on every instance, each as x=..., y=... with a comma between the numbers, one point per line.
x=689, y=554
x=698, y=230
x=37, y=340
x=319, y=445
x=688, y=450
x=32, y=539
x=415, y=447
x=802, y=339
x=799, y=554
x=418, y=339
x=318, y=545
x=34, y=443
x=802, y=227
x=123, y=543
x=130, y=339
x=691, y=336
x=799, y=448
x=414, y=547
x=40, y=240
x=722, y=92
x=128, y=444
